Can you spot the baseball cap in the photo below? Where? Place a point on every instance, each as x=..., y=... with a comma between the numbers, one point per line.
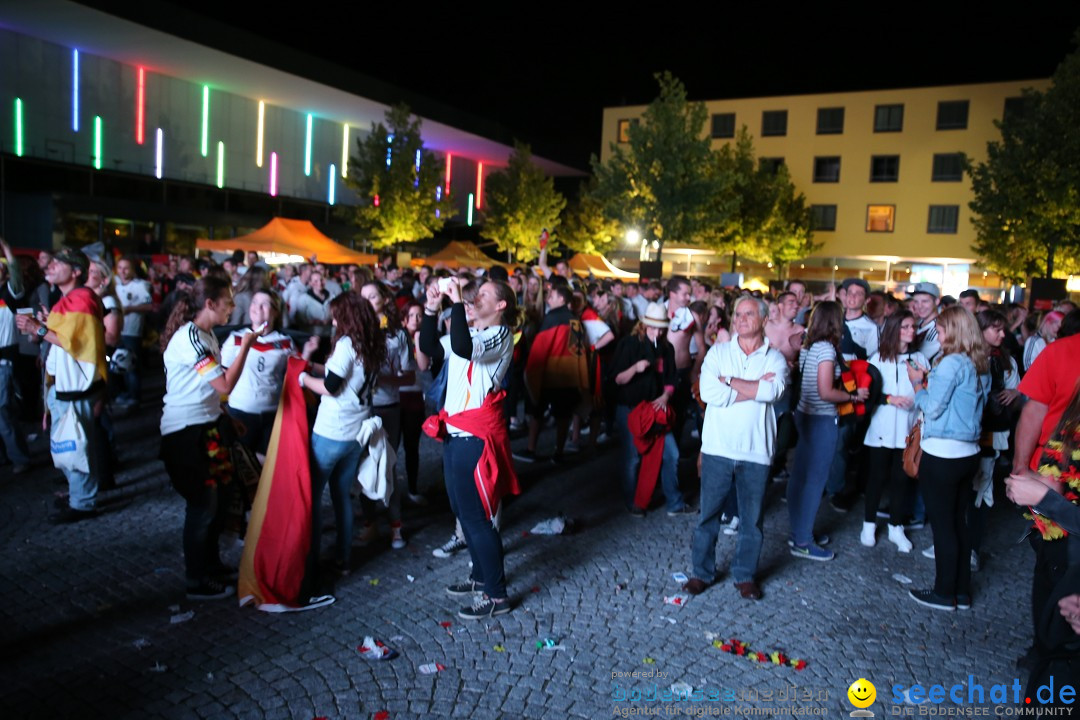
x=924, y=287
x=848, y=282
x=75, y=258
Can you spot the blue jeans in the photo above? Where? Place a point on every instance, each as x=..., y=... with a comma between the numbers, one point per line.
x=718, y=476
x=460, y=457
x=82, y=487
x=336, y=462
x=845, y=435
x=813, y=457
x=10, y=433
x=631, y=459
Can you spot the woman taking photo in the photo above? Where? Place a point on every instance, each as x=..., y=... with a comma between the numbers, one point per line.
x=816, y=419
x=194, y=439
x=889, y=428
x=347, y=385
x=951, y=400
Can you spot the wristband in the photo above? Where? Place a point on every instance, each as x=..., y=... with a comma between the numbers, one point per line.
x=300, y=379
x=429, y=312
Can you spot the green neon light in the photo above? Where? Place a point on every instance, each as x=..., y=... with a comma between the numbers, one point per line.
x=18, y=127
x=470, y=209
x=307, y=148
x=205, y=120
x=97, y=142
x=220, y=164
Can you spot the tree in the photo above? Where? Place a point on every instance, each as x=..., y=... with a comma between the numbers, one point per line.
x=520, y=202
x=586, y=228
x=666, y=180
x=1027, y=192
x=400, y=200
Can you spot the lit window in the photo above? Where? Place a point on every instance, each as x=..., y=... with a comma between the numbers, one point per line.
x=723, y=125
x=952, y=115
x=884, y=168
x=774, y=123
x=888, y=118
x=943, y=219
x=623, y=131
x=826, y=169
x=948, y=167
x=830, y=121
x=823, y=217
x=879, y=218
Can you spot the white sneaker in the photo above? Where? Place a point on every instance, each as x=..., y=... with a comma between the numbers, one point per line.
x=928, y=552
x=732, y=528
x=450, y=547
x=899, y=539
x=396, y=541
x=867, y=537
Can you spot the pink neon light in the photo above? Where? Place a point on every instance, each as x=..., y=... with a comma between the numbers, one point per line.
x=273, y=174
x=479, y=183
x=376, y=201
x=449, y=163
x=140, y=108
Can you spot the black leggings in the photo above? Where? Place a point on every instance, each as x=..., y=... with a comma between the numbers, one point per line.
x=886, y=467
x=946, y=486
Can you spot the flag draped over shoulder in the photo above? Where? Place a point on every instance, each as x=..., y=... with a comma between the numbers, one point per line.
x=279, y=530
x=78, y=321
x=558, y=357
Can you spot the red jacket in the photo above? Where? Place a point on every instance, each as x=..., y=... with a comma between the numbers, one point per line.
x=648, y=427
x=494, y=473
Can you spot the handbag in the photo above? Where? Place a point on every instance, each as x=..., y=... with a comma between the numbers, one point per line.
x=67, y=442
x=913, y=450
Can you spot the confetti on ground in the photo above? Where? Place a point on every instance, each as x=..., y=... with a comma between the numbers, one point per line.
x=373, y=581
x=410, y=578
x=738, y=647
x=710, y=636
x=673, y=621
x=682, y=689
x=648, y=661
x=381, y=715
x=182, y=617
x=499, y=648
x=174, y=608
x=210, y=677
x=373, y=649
x=431, y=668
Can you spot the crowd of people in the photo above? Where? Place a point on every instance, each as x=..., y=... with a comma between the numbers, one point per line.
x=924, y=405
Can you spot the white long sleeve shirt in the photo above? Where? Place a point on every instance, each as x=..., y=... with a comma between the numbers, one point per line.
x=741, y=430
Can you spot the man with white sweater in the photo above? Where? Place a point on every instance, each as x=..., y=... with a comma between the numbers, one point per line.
x=740, y=381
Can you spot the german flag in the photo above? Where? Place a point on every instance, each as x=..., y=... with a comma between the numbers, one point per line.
x=558, y=357
x=78, y=321
x=279, y=529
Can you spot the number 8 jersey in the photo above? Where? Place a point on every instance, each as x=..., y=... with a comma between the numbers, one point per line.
x=259, y=387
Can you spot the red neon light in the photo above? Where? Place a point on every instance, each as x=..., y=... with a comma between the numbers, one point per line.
x=376, y=201
x=449, y=163
x=140, y=107
x=479, y=183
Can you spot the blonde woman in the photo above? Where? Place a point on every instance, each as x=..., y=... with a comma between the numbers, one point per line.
x=951, y=399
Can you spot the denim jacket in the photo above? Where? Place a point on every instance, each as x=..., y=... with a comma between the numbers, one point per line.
x=953, y=400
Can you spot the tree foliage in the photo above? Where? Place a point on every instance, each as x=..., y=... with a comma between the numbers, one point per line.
x=411, y=205
x=586, y=227
x=520, y=202
x=666, y=179
x=1027, y=192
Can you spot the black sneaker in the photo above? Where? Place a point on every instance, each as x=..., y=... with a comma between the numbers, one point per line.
x=468, y=587
x=636, y=512
x=525, y=456
x=450, y=547
x=684, y=510
x=485, y=607
x=70, y=515
x=839, y=503
x=963, y=602
x=211, y=589
x=930, y=599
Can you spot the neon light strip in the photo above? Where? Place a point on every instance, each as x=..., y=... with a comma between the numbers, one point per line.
x=18, y=127
x=97, y=142
x=470, y=209
x=479, y=183
x=220, y=164
x=449, y=164
x=140, y=107
x=75, y=90
x=307, y=148
x=159, y=154
x=389, y=149
x=205, y=146
x=259, y=135
x=333, y=182
x=273, y=174
x=416, y=180
x=345, y=151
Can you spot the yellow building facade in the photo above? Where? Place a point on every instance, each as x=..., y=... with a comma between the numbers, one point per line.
x=881, y=170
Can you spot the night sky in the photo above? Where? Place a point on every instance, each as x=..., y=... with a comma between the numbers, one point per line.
x=545, y=73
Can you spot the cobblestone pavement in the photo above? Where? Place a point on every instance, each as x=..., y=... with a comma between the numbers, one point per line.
x=87, y=612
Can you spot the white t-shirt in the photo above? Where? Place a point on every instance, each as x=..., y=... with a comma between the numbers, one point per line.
x=136, y=292
x=340, y=416
x=865, y=334
x=192, y=362
x=595, y=328
x=682, y=319
x=259, y=387
x=8, y=333
x=399, y=359
x=469, y=380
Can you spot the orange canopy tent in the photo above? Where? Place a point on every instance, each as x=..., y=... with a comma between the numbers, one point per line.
x=598, y=266
x=291, y=237
x=459, y=254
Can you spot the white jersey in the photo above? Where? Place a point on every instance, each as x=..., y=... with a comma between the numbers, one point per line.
x=259, y=387
x=136, y=292
x=9, y=302
x=340, y=416
x=681, y=320
x=469, y=380
x=399, y=360
x=865, y=334
x=192, y=362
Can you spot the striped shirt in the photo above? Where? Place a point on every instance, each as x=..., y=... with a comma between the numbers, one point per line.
x=810, y=402
x=469, y=380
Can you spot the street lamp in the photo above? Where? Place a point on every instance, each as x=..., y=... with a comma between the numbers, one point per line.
x=633, y=237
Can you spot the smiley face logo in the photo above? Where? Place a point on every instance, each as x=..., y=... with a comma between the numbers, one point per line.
x=862, y=693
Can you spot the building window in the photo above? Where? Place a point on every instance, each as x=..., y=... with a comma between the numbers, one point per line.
x=888, y=118
x=773, y=123
x=823, y=217
x=952, y=115
x=943, y=219
x=879, y=218
x=770, y=165
x=826, y=169
x=884, y=168
x=623, y=134
x=723, y=125
x=1014, y=108
x=948, y=167
x=830, y=121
